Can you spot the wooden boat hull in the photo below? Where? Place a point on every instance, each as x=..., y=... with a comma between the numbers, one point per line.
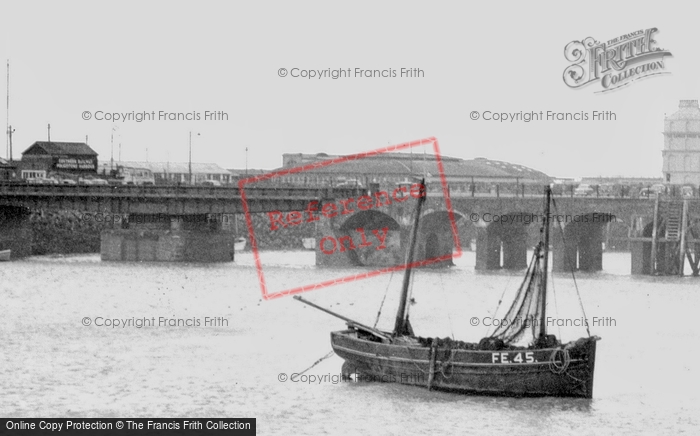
x=566, y=371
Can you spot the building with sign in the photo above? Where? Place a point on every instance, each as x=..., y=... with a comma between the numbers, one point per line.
x=681, y=151
x=46, y=158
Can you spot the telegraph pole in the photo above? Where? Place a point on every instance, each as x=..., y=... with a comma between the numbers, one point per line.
x=111, y=155
x=190, y=166
x=10, y=131
x=7, y=119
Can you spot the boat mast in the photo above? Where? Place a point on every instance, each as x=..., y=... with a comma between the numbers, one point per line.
x=401, y=324
x=545, y=264
x=7, y=117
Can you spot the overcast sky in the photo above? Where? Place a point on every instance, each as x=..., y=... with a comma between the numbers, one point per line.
x=71, y=57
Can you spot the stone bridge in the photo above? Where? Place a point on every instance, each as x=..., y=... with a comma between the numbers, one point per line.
x=352, y=226
x=156, y=223
x=499, y=229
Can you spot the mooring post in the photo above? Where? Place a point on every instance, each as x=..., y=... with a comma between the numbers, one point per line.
x=431, y=367
x=653, y=235
x=684, y=224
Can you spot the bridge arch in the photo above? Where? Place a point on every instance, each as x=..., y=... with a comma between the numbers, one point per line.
x=617, y=236
x=367, y=238
x=371, y=219
x=435, y=237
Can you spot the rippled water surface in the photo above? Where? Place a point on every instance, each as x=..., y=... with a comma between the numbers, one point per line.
x=647, y=369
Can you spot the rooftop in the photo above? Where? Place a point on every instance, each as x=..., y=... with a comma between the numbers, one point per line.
x=4, y=163
x=406, y=164
x=60, y=148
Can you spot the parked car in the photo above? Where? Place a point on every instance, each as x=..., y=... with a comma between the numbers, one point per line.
x=583, y=190
x=645, y=193
x=659, y=188
x=350, y=183
x=651, y=192
x=687, y=192
x=606, y=190
x=43, y=181
x=92, y=181
x=211, y=183
x=68, y=182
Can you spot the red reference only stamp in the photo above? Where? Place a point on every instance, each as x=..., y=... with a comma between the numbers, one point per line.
x=363, y=229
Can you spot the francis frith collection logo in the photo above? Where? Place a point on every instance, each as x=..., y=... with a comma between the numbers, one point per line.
x=615, y=63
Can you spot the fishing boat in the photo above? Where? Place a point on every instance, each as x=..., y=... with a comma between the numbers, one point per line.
x=5, y=255
x=496, y=365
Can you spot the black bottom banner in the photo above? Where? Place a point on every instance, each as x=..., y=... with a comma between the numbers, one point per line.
x=127, y=426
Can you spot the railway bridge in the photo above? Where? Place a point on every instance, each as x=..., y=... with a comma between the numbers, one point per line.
x=172, y=223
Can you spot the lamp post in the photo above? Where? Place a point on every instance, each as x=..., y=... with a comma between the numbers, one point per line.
x=10, y=131
x=111, y=154
x=190, y=161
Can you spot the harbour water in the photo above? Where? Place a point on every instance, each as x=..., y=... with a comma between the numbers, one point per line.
x=52, y=365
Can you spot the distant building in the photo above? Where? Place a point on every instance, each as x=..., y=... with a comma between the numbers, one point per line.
x=44, y=158
x=388, y=168
x=173, y=172
x=681, y=153
x=7, y=170
x=619, y=180
x=299, y=159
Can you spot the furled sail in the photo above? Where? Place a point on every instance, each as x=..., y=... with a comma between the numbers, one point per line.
x=524, y=313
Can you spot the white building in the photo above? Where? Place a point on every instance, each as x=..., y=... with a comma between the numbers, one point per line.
x=681, y=152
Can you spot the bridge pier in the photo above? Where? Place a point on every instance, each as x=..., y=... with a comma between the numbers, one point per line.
x=488, y=250
x=581, y=250
x=641, y=257
x=15, y=231
x=494, y=240
x=435, y=238
x=168, y=238
x=515, y=251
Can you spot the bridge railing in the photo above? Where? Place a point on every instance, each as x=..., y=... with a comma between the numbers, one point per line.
x=180, y=191
x=457, y=190
x=513, y=190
